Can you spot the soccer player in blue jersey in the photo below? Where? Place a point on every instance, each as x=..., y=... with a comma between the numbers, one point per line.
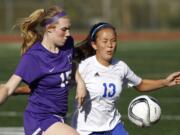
x=46, y=66
x=104, y=78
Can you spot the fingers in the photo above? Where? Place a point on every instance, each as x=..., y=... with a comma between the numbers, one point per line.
x=173, y=76
x=80, y=101
x=176, y=74
x=174, y=80
x=177, y=80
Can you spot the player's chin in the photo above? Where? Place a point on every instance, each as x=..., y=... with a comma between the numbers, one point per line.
x=60, y=44
x=109, y=57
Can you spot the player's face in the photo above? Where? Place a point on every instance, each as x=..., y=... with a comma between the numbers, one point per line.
x=61, y=31
x=105, y=45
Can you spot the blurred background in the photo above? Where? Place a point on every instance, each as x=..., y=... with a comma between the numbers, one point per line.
x=149, y=42
x=126, y=15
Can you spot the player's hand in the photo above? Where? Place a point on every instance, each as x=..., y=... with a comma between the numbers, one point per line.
x=80, y=93
x=173, y=79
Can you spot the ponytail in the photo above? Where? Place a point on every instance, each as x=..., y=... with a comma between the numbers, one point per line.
x=33, y=26
x=83, y=50
x=28, y=28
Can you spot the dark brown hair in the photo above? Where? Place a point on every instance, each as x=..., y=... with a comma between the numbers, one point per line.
x=84, y=48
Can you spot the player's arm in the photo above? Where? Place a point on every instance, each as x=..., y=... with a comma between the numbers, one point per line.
x=7, y=89
x=22, y=90
x=80, y=90
x=149, y=85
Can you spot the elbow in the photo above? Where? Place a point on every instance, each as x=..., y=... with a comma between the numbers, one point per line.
x=23, y=90
x=4, y=93
x=6, y=90
x=141, y=87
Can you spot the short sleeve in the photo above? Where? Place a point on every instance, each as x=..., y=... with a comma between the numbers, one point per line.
x=28, y=68
x=81, y=68
x=131, y=79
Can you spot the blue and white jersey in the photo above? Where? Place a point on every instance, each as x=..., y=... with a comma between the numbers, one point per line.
x=104, y=85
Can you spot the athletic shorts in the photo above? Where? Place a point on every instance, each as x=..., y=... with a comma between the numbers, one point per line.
x=118, y=130
x=35, y=124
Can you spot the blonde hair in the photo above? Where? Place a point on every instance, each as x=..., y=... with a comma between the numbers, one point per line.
x=29, y=26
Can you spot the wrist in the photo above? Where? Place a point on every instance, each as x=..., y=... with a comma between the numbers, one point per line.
x=165, y=83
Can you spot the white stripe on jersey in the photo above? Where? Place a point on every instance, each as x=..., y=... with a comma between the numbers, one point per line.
x=37, y=131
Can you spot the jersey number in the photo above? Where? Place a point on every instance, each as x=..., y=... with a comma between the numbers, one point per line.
x=109, y=89
x=65, y=77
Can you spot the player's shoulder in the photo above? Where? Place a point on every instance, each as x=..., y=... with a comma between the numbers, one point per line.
x=88, y=63
x=34, y=51
x=117, y=62
x=34, y=48
x=120, y=65
x=89, y=60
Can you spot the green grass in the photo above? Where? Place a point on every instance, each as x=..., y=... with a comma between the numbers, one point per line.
x=154, y=59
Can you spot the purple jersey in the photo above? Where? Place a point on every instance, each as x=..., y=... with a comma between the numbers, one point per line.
x=48, y=75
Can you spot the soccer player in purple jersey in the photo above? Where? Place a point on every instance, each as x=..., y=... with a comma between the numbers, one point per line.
x=46, y=66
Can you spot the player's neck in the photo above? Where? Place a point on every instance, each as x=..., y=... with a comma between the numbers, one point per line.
x=103, y=62
x=49, y=46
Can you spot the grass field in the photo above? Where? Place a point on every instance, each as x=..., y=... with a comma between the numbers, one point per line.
x=154, y=59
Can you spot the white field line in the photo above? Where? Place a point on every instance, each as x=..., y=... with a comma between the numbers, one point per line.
x=11, y=131
x=167, y=100
x=11, y=114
